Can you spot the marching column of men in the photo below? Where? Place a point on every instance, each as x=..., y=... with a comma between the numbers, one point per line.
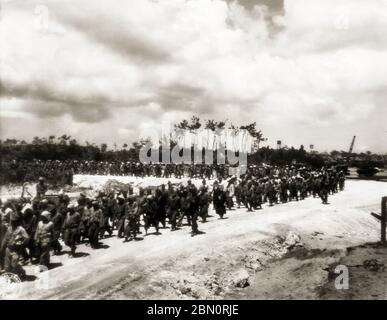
x=61, y=172
x=30, y=230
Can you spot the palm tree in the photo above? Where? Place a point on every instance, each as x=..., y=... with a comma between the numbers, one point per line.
x=51, y=139
x=63, y=139
x=104, y=147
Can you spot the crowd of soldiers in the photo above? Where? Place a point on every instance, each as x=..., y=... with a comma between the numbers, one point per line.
x=61, y=172
x=30, y=229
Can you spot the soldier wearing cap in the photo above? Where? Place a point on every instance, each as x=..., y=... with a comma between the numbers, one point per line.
x=44, y=236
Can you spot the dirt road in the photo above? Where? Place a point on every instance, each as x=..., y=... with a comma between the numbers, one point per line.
x=247, y=255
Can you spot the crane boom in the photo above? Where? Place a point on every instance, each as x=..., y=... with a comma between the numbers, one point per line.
x=352, y=144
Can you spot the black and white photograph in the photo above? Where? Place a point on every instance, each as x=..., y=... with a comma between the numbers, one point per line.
x=208, y=151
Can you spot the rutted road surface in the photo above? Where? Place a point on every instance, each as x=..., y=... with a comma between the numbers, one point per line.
x=233, y=258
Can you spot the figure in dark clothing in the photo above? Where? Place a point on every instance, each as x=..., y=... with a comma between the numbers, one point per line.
x=58, y=221
x=173, y=209
x=220, y=201
x=96, y=218
x=150, y=214
x=71, y=228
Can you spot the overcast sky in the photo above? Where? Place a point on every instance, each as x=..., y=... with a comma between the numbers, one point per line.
x=308, y=72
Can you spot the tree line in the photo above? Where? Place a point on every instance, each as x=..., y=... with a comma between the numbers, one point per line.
x=65, y=147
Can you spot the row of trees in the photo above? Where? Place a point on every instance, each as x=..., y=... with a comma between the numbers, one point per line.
x=196, y=124
x=65, y=147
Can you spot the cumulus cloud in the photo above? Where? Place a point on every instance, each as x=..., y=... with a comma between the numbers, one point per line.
x=124, y=33
x=308, y=72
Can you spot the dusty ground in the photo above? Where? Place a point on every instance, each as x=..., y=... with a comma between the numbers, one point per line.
x=367, y=273
x=280, y=252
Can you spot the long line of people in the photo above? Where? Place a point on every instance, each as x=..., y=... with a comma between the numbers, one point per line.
x=61, y=172
x=31, y=229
